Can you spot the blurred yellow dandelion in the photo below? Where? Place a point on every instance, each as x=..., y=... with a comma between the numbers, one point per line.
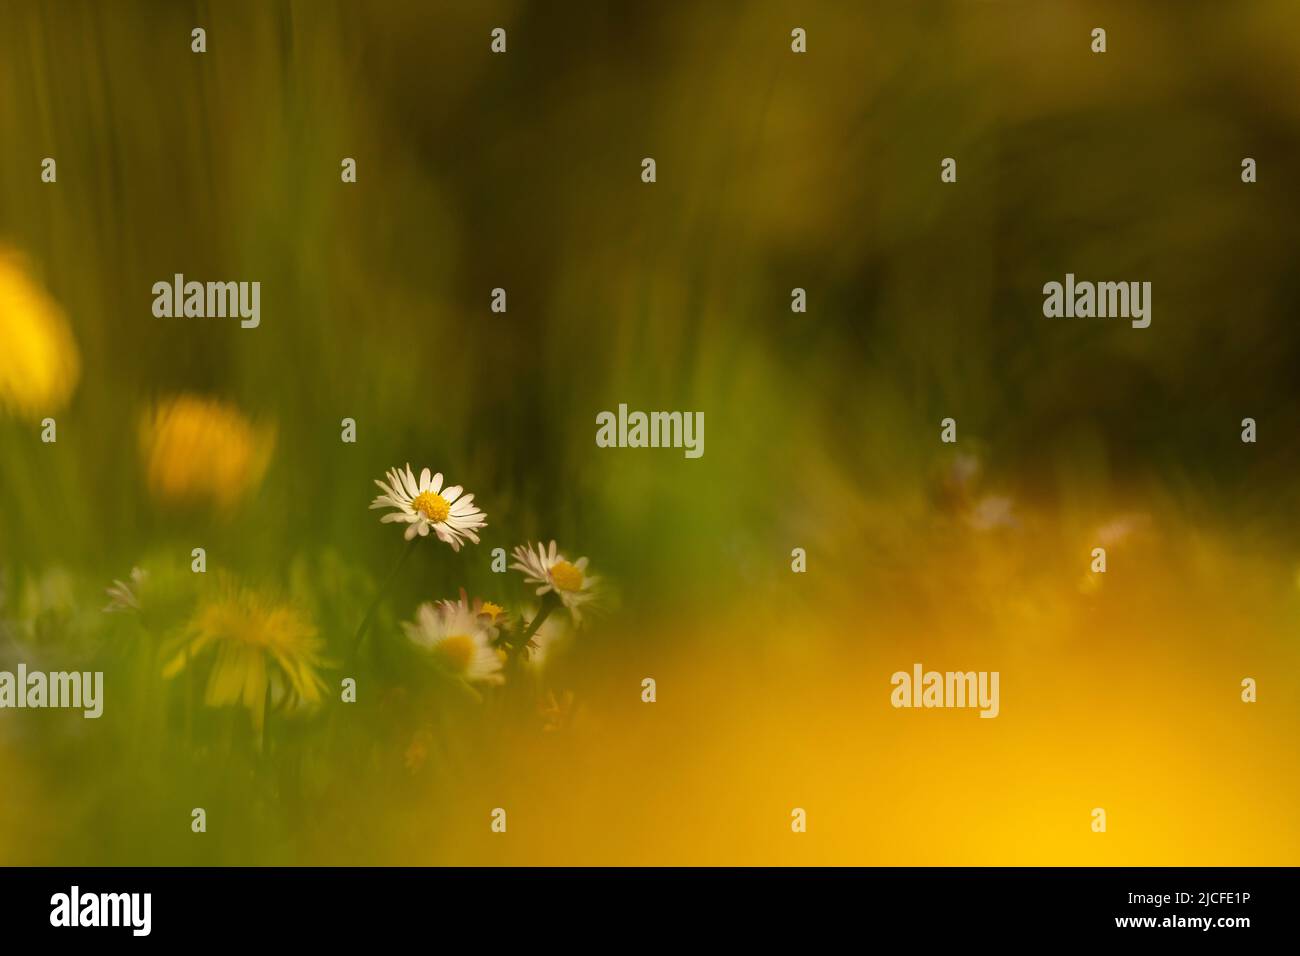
x=263, y=650
x=39, y=363
x=200, y=449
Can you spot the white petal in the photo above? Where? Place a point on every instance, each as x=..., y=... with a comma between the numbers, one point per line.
x=408, y=479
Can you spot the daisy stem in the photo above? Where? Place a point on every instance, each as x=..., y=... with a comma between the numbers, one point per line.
x=379, y=596
x=189, y=698
x=266, y=723
x=549, y=604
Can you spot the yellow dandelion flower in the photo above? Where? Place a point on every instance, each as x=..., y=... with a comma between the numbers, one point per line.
x=260, y=649
x=39, y=363
x=199, y=449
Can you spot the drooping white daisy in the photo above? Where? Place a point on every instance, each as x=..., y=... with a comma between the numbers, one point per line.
x=552, y=571
x=459, y=640
x=426, y=504
x=124, y=596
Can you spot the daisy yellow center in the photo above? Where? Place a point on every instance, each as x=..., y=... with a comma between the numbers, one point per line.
x=432, y=505
x=566, y=576
x=458, y=650
x=493, y=611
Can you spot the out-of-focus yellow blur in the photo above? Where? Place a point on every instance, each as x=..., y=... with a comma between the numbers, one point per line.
x=776, y=171
x=39, y=362
x=198, y=449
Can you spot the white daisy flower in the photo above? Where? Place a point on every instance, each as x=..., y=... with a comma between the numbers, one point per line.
x=123, y=596
x=492, y=615
x=426, y=504
x=553, y=572
x=459, y=640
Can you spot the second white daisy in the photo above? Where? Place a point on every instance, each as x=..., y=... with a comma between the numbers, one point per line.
x=425, y=505
x=459, y=640
x=552, y=571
